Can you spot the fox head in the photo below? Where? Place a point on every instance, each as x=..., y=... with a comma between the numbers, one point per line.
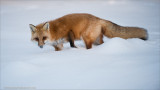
x=40, y=33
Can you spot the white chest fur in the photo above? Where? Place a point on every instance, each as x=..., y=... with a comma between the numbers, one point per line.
x=55, y=42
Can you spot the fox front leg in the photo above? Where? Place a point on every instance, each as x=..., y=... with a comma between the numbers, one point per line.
x=71, y=38
x=58, y=47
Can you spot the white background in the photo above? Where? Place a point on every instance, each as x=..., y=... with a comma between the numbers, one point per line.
x=116, y=64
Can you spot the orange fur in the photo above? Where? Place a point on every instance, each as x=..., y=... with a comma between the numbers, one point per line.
x=86, y=26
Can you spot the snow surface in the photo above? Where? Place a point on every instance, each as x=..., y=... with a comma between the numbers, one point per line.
x=116, y=64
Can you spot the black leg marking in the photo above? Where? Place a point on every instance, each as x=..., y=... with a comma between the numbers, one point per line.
x=71, y=39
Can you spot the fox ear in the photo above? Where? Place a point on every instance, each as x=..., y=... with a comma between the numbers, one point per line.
x=46, y=26
x=32, y=27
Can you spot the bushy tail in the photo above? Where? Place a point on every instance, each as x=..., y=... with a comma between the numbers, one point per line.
x=111, y=30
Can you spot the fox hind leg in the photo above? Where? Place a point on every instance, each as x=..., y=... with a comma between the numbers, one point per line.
x=88, y=43
x=92, y=35
x=99, y=40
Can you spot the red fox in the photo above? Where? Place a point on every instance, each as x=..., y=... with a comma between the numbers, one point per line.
x=81, y=26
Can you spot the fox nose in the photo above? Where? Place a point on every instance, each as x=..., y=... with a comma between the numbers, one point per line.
x=41, y=46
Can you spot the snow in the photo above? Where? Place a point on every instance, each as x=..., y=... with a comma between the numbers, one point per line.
x=116, y=64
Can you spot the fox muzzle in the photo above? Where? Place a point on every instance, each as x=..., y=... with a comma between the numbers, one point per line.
x=41, y=46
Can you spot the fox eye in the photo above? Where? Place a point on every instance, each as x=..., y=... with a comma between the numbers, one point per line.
x=36, y=39
x=44, y=38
